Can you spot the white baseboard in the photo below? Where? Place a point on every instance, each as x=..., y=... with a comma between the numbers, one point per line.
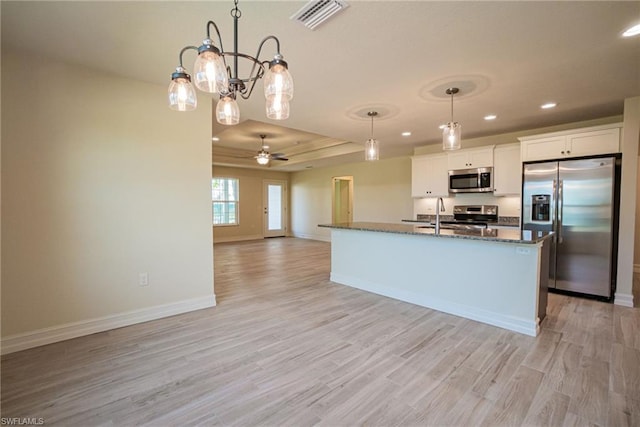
x=625, y=300
x=237, y=238
x=511, y=323
x=312, y=237
x=13, y=343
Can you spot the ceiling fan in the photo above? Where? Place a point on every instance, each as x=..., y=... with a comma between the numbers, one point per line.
x=263, y=157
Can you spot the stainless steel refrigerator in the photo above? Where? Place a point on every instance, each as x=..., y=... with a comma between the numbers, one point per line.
x=578, y=200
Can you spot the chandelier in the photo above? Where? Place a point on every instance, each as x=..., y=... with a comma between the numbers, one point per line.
x=213, y=75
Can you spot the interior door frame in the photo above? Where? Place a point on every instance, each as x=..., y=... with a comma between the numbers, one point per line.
x=334, y=181
x=284, y=208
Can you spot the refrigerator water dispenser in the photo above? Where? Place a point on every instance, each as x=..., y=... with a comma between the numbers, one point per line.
x=541, y=208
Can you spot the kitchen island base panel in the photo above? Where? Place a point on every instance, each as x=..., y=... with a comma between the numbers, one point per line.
x=516, y=324
x=492, y=282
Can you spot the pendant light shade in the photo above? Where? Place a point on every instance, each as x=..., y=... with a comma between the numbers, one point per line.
x=451, y=136
x=227, y=111
x=182, y=94
x=371, y=149
x=452, y=132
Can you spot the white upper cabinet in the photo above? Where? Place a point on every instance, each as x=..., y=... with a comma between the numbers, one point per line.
x=429, y=176
x=575, y=143
x=507, y=170
x=471, y=158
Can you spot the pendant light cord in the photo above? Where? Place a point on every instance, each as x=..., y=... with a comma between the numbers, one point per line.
x=372, y=126
x=452, y=106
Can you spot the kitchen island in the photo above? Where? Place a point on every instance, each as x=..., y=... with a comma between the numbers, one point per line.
x=495, y=276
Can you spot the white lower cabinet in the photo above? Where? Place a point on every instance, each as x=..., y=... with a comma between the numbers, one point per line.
x=507, y=170
x=430, y=176
x=591, y=141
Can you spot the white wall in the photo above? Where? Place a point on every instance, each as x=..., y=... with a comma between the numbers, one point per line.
x=381, y=193
x=629, y=145
x=100, y=182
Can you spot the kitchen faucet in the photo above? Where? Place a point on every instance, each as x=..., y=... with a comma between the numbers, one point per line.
x=439, y=208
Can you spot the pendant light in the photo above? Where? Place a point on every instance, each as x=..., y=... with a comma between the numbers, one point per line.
x=451, y=134
x=371, y=150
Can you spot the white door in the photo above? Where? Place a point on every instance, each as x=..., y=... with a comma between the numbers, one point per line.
x=275, y=208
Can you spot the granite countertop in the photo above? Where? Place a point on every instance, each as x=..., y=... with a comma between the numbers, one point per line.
x=507, y=235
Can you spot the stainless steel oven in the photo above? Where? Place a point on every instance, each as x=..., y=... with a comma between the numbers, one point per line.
x=478, y=180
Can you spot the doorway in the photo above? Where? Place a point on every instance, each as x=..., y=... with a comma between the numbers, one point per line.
x=342, y=199
x=275, y=208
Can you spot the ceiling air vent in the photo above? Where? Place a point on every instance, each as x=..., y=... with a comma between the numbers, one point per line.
x=316, y=12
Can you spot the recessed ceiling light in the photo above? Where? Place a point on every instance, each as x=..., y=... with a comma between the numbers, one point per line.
x=490, y=117
x=548, y=105
x=215, y=138
x=406, y=133
x=633, y=31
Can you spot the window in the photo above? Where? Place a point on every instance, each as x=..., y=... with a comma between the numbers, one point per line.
x=225, y=196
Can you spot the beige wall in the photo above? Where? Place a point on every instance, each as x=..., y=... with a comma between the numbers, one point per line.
x=251, y=207
x=381, y=193
x=100, y=182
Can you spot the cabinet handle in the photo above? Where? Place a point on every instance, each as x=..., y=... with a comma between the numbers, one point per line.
x=568, y=151
x=562, y=152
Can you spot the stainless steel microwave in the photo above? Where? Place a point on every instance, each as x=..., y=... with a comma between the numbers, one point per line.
x=478, y=180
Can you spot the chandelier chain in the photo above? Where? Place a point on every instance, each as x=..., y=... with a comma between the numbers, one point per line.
x=235, y=12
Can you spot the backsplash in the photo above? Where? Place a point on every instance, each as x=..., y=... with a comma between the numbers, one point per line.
x=508, y=206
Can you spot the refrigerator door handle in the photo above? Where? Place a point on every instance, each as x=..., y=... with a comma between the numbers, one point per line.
x=560, y=207
x=554, y=219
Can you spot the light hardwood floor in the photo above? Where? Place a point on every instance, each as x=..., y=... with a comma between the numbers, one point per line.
x=285, y=346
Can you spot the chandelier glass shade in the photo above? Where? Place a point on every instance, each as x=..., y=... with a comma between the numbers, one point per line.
x=371, y=149
x=182, y=95
x=212, y=74
x=227, y=110
x=452, y=132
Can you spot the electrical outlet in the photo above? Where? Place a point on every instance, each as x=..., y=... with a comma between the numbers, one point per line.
x=143, y=279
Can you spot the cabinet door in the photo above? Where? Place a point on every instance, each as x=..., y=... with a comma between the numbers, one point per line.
x=481, y=158
x=419, y=176
x=429, y=176
x=507, y=170
x=471, y=158
x=605, y=141
x=543, y=149
x=458, y=160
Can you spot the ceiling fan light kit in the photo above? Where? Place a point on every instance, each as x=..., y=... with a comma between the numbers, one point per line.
x=451, y=133
x=264, y=157
x=213, y=75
